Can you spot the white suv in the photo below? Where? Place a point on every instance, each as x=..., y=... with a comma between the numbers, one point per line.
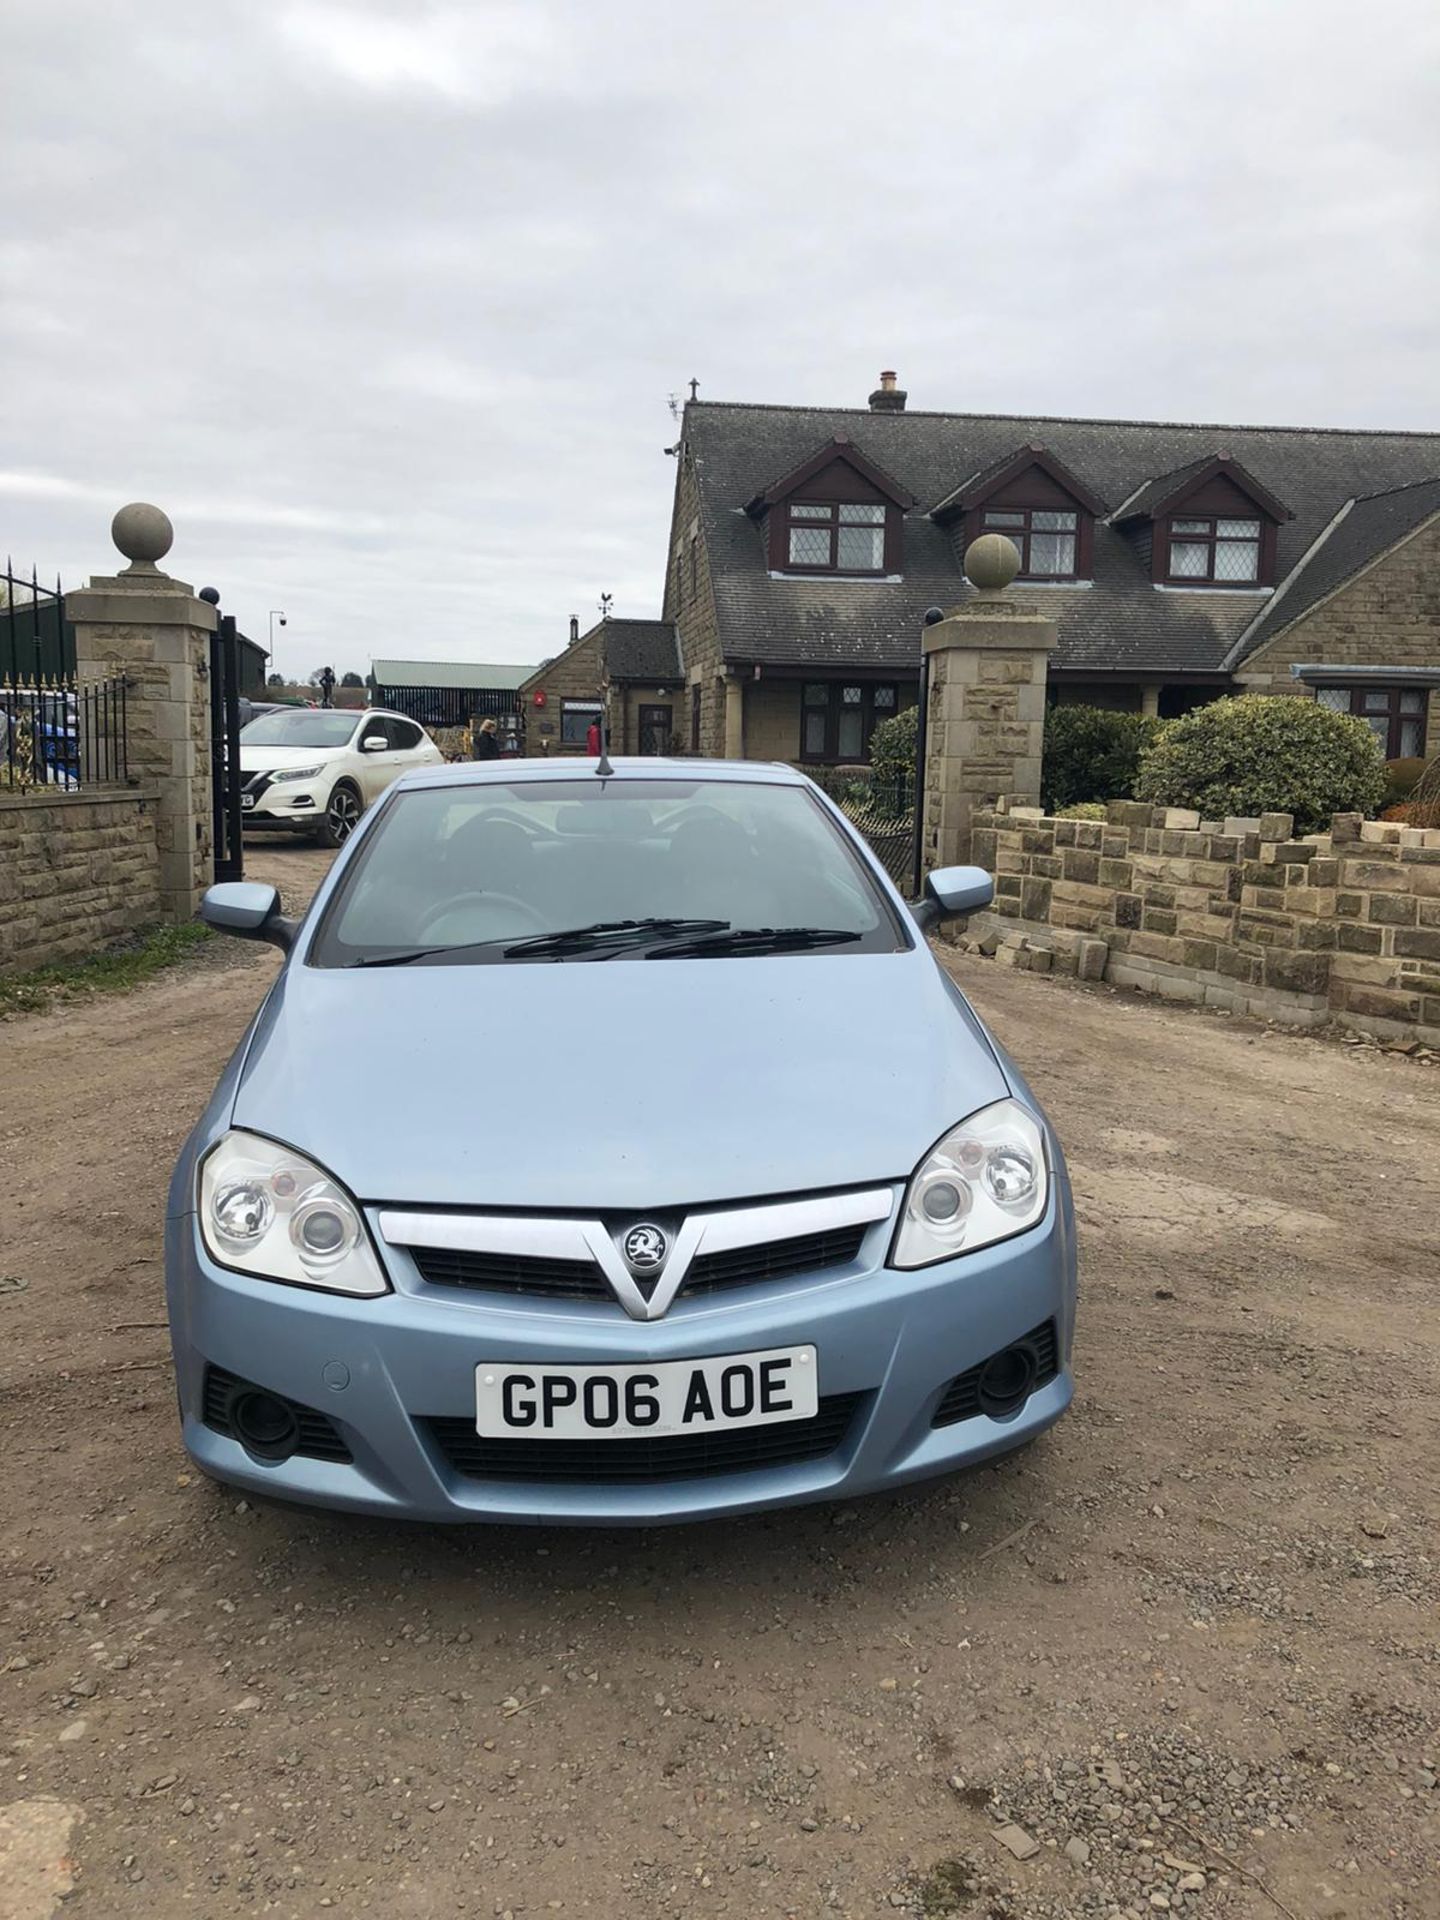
x=314, y=770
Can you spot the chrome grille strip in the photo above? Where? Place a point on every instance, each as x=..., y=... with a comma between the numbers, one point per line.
x=723, y=1231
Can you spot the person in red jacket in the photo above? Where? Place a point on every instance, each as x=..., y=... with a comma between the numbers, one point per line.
x=592, y=736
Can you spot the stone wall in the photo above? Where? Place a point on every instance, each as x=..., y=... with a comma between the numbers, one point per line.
x=78, y=871
x=576, y=674
x=1388, y=615
x=154, y=631
x=690, y=603
x=986, y=718
x=1340, y=926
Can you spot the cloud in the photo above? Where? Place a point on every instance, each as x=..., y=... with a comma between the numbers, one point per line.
x=383, y=302
x=480, y=55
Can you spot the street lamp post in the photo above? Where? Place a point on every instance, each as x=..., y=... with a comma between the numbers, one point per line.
x=275, y=614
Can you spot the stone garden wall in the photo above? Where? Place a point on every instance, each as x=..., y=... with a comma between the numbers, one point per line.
x=1341, y=926
x=78, y=871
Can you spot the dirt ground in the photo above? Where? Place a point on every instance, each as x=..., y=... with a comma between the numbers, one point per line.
x=1187, y=1644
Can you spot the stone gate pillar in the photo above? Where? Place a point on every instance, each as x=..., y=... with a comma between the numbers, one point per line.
x=154, y=631
x=988, y=661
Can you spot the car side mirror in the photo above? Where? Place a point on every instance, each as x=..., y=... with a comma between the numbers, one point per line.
x=951, y=892
x=373, y=744
x=250, y=910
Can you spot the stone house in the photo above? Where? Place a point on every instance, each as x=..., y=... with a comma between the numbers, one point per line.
x=1181, y=562
x=627, y=669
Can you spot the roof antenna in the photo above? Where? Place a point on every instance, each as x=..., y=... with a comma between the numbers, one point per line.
x=602, y=765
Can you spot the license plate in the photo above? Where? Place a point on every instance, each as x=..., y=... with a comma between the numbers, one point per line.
x=247, y=800
x=524, y=1400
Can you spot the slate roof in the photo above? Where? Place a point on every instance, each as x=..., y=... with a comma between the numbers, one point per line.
x=1362, y=531
x=1146, y=498
x=1120, y=621
x=501, y=676
x=642, y=650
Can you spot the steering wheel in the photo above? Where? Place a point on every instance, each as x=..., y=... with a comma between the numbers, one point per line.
x=532, y=922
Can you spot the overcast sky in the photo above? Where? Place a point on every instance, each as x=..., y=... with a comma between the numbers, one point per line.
x=383, y=303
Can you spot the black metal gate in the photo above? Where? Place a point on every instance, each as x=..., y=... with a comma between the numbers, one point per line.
x=225, y=750
x=882, y=806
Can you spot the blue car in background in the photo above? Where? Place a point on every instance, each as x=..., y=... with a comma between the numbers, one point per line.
x=46, y=722
x=611, y=1148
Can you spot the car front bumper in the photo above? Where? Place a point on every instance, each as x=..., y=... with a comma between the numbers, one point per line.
x=382, y=1371
x=298, y=804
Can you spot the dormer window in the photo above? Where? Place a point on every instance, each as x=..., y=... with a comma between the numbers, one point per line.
x=1048, y=540
x=1218, y=549
x=846, y=537
x=1034, y=500
x=836, y=513
x=1211, y=524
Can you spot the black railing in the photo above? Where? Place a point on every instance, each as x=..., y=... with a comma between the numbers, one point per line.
x=54, y=733
x=448, y=706
x=36, y=641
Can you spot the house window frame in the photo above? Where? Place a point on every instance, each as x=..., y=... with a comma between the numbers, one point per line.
x=812, y=516
x=1021, y=535
x=1358, y=695
x=835, y=707
x=579, y=709
x=1212, y=540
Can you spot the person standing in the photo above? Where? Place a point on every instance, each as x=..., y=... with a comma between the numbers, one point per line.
x=593, y=736
x=487, y=747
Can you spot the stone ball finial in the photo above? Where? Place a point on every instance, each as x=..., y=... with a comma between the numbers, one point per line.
x=143, y=534
x=991, y=562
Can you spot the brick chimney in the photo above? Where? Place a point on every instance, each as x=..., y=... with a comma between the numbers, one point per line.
x=887, y=397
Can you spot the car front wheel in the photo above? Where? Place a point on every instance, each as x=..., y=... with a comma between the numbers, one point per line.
x=342, y=814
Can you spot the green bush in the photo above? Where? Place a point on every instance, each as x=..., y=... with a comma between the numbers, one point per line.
x=1265, y=753
x=1084, y=810
x=1092, y=753
x=892, y=746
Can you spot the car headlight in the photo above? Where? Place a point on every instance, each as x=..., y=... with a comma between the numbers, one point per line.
x=984, y=1181
x=296, y=773
x=267, y=1210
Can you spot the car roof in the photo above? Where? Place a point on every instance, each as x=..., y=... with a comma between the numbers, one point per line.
x=633, y=767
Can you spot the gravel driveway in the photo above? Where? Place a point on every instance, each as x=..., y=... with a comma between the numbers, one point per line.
x=1184, y=1649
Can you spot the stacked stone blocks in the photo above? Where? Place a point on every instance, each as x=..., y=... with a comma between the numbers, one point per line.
x=1241, y=913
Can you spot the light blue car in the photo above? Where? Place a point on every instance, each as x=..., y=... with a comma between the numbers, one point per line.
x=612, y=1149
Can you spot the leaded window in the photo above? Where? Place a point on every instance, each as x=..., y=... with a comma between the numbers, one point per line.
x=1220, y=550
x=1395, y=715
x=837, y=717
x=848, y=537
x=1047, y=539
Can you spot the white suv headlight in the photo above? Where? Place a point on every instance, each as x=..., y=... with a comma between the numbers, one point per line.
x=267, y=1210
x=984, y=1181
x=295, y=773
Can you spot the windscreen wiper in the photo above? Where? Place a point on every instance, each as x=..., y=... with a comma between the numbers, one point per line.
x=752, y=940
x=407, y=954
x=606, y=933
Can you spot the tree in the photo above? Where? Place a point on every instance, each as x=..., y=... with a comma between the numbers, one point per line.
x=275, y=680
x=1265, y=753
x=351, y=680
x=317, y=678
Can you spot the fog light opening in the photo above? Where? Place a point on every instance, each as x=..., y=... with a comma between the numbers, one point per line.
x=1007, y=1381
x=263, y=1424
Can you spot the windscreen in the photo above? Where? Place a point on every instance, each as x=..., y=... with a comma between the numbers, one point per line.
x=476, y=868
x=300, y=727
